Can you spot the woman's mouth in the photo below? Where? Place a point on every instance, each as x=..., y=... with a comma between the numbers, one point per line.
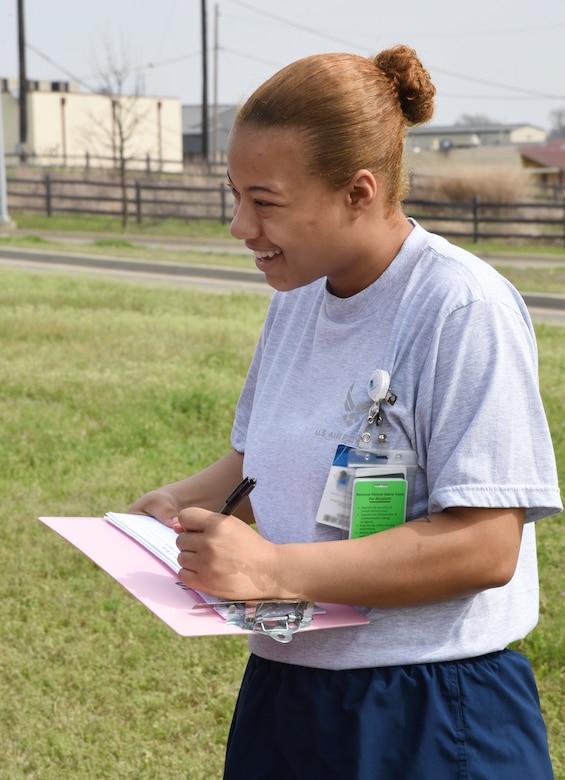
x=264, y=259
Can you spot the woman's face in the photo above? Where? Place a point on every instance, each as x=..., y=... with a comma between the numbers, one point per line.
x=297, y=227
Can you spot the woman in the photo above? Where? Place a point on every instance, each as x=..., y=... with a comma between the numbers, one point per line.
x=428, y=689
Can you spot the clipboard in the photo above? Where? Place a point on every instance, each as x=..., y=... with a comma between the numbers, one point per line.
x=153, y=583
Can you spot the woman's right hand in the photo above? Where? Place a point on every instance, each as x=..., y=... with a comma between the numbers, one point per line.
x=160, y=503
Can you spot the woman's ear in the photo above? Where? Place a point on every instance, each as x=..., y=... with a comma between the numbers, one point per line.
x=362, y=190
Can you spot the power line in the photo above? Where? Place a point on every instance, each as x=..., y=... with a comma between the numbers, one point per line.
x=486, y=82
x=455, y=34
x=459, y=96
x=48, y=59
x=320, y=34
x=251, y=57
x=295, y=25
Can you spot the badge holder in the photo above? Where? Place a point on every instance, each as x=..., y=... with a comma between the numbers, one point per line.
x=370, y=487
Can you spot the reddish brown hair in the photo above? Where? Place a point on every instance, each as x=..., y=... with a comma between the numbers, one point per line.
x=352, y=111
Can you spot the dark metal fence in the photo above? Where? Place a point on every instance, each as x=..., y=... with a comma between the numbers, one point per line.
x=539, y=221
x=50, y=195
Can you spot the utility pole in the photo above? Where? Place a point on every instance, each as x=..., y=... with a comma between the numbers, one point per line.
x=204, y=81
x=23, y=82
x=216, y=48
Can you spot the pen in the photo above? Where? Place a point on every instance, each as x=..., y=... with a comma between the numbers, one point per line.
x=236, y=496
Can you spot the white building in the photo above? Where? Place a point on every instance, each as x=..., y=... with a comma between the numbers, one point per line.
x=69, y=128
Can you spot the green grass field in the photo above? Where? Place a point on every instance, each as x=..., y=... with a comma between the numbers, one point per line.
x=108, y=389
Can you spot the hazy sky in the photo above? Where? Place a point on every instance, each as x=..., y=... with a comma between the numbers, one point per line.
x=505, y=60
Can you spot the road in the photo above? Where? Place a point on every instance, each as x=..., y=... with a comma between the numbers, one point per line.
x=542, y=307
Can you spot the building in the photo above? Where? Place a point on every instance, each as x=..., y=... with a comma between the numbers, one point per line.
x=220, y=121
x=70, y=128
x=442, y=138
x=546, y=162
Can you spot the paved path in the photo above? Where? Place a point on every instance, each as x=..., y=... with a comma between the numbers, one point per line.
x=213, y=278
x=542, y=307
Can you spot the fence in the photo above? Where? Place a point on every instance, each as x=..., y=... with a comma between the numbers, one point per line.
x=539, y=221
x=145, y=200
x=477, y=220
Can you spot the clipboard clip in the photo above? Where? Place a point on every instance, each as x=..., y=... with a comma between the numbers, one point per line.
x=279, y=620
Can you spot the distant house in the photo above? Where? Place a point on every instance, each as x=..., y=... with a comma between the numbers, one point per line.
x=68, y=127
x=546, y=162
x=220, y=121
x=442, y=138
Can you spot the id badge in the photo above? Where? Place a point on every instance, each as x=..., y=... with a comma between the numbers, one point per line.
x=377, y=503
x=367, y=492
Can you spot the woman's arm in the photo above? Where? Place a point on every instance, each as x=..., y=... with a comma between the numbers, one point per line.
x=458, y=552
x=208, y=488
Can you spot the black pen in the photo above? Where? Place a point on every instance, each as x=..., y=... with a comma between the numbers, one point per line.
x=236, y=496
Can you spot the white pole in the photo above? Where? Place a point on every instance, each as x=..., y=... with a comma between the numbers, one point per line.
x=4, y=218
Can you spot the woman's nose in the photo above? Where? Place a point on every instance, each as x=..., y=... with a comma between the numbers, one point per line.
x=244, y=224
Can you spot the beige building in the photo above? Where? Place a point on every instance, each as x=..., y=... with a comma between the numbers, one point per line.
x=75, y=129
x=442, y=138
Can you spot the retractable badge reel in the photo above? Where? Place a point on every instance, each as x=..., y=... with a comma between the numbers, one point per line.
x=379, y=390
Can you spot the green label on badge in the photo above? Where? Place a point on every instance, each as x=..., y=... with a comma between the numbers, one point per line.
x=378, y=503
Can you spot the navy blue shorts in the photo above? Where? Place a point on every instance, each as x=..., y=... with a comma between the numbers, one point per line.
x=476, y=719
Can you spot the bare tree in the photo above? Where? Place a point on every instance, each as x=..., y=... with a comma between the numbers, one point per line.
x=126, y=116
x=557, y=129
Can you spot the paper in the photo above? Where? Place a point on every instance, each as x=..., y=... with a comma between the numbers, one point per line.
x=159, y=539
x=155, y=585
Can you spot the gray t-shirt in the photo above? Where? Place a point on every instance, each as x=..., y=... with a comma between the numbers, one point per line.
x=458, y=343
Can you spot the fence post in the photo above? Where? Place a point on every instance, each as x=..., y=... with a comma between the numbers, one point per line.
x=476, y=200
x=138, y=202
x=223, y=202
x=47, y=182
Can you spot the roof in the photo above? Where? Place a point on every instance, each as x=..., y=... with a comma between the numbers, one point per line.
x=550, y=154
x=467, y=129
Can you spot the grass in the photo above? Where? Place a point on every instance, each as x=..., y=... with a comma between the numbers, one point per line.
x=536, y=280
x=107, y=224
x=107, y=390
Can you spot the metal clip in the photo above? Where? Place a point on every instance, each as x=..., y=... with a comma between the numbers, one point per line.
x=374, y=414
x=278, y=619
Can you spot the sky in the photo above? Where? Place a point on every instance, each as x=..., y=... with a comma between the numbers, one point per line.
x=503, y=61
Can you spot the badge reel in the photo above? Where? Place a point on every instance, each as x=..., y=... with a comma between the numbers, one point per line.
x=379, y=390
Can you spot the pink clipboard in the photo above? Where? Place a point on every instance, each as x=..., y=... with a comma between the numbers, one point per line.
x=154, y=585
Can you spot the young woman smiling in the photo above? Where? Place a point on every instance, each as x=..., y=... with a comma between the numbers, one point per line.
x=428, y=689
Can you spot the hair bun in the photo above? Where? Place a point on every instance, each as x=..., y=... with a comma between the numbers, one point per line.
x=412, y=82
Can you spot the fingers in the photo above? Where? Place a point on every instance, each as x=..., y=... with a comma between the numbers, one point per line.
x=159, y=504
x=195, y=519
x=190, y=526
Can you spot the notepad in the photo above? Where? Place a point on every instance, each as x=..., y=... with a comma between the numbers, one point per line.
x=159, y=539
